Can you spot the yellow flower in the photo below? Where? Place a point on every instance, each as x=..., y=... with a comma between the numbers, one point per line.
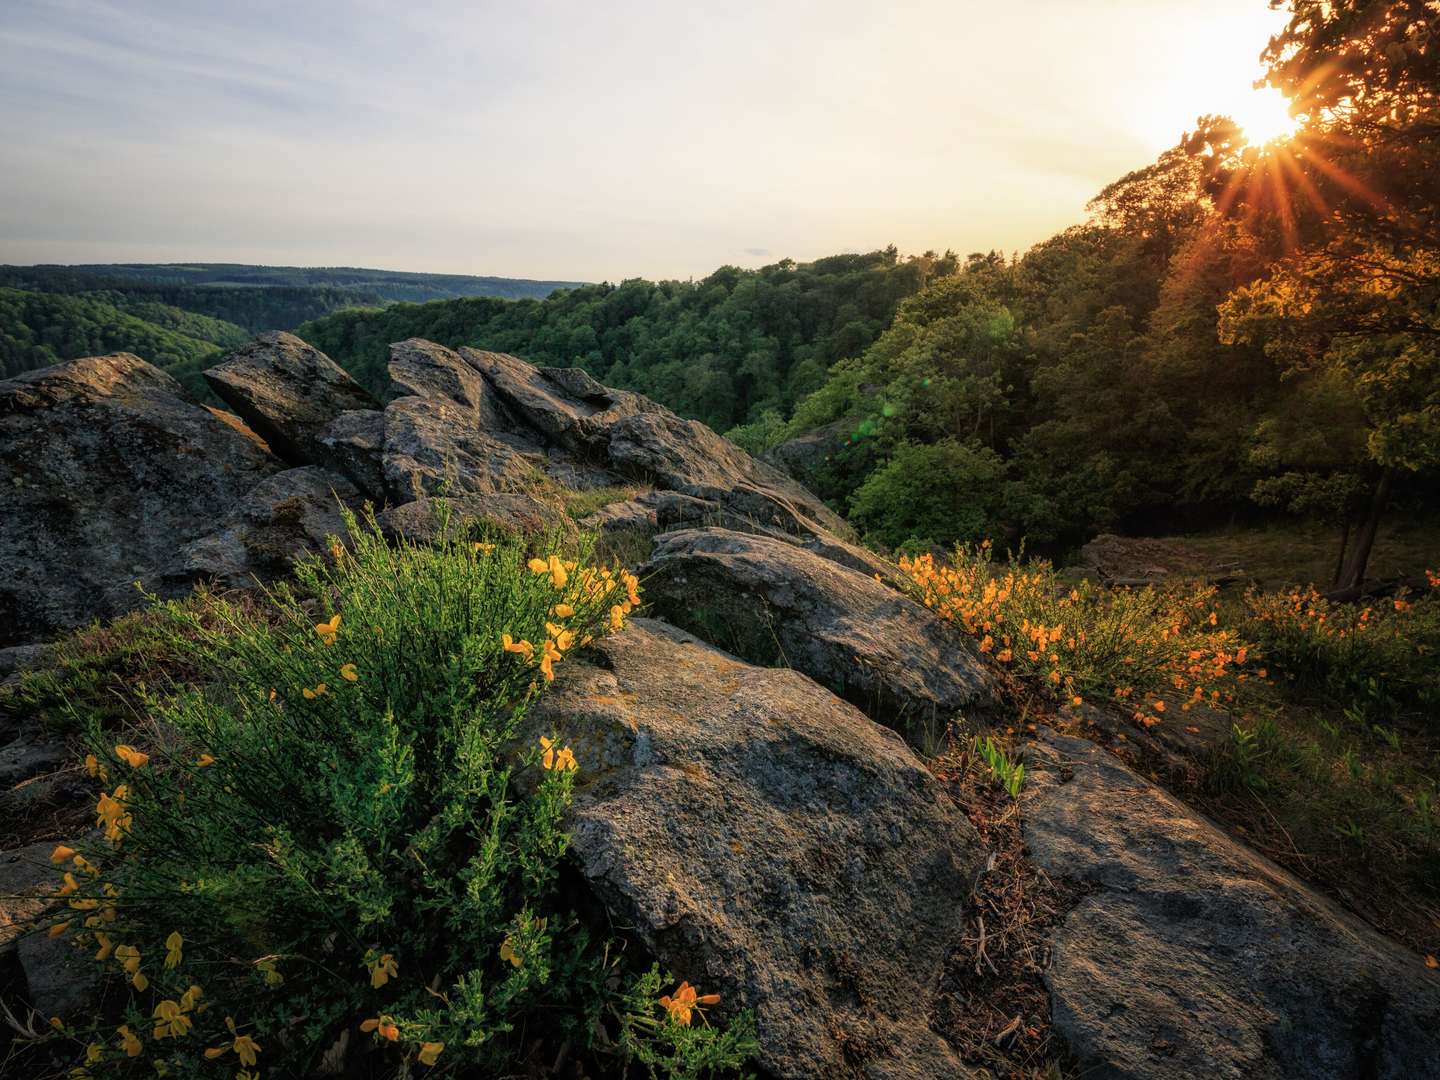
x=94, y=768
x=327, y=630
x=524, y=648
x=106, y=947
x=348, y=673
x=382, y=1026
x=337, y=552
x=563, y=638
x=128, y=1042
x=244, y=1046
x=565, y=761
x=632, y=587
x=132, y=757
x=129, y=957
x=548, y=746
x=70, y=885
x=58, y=929
x=170, y=1020
x=93, y=1053
x=684, y=1002
x=564, y=611
x=311, y=695
x=507, y=952
x=617, y=617
x=189, y=999
x=382, y=970
x=547, y=661
x=204, y=761
x=430, y=1051
x=558, y=574
x=140, y=981
x=487, y=548
x=61, y=853
x=538, y=566
x=173, y=946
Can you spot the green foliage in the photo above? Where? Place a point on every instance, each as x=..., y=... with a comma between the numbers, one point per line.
x=341, y=836
x=726, y=349
x=944, y=493
x=38, y=329
x=653, y=1036
x=1374, y=659
x=1009, y=774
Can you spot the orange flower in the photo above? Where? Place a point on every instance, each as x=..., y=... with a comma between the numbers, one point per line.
x=328, y=630
x=382, y=1026
x=429, y=1052
x=61, y=853
x=311, y=695
x=523, y=647
x=204, y=761
x=684, y=1002
x=348, y=673
x=132, y=757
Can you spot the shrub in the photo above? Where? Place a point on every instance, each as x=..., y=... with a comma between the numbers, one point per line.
x=1373, y=658
x=1156, y=647
x=338, y=849
x=944, y=493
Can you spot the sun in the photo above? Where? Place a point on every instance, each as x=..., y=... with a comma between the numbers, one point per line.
x=1263, y=115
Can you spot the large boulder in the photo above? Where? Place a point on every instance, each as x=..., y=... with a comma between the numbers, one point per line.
x=285, y=516
x=775, y=603
x=432, y=447
x=1194, y=956
x=109, y=469
x=768, y=843
x=428, y=520
x=287, y=391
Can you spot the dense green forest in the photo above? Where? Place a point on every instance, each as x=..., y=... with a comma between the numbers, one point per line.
x=181, y=316
x=736, y=346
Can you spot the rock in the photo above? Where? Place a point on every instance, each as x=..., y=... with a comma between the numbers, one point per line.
x=1130, y=561
x=109, y=468
x=27, y=884
x=285, y=516
x=803, y=456
x=353, y=444
x=1196, y=957
x=565, y=405
x=652, y=511
x=433, y=448
x=773, y=602
x=1178, y=746
x=420, y=368
x=287, y=391
x=31, y=750
x=647, y=442
x=686, y=456
x=18, y=658
x=524, y=515
x=61, y=980
x=768, y=843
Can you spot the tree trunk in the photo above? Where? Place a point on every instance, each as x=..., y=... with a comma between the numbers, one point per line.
x=1354, y=570
x=1340, y=558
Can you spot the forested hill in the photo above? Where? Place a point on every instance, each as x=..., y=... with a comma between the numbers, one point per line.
x=739, y=346
x=179, y=316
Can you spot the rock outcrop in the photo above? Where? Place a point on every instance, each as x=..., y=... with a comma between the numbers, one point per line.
x=768, y=843
x=1194, y=956
x=775, y=603
x=109, y=469
x=287, y=392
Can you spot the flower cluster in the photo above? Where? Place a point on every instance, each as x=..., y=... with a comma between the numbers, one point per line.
x=583, y=588
x=1153, y=647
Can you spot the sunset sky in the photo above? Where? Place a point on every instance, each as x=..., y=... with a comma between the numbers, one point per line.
x=587, y=141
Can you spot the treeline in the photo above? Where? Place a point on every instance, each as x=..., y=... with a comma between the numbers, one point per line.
x=40, y=329
x=739, y=346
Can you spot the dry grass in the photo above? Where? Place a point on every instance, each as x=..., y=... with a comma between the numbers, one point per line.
x=994, y=1008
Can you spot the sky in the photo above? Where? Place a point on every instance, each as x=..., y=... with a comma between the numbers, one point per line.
x=587, y=141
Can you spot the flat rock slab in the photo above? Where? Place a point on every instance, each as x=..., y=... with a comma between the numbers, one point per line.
x=287, y=391
x=1196, y=957
x=776, y=603
x=109, y=468
x=769, y=843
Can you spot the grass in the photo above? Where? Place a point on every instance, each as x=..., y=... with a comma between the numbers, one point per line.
x=1281, y=556
x=330, y=842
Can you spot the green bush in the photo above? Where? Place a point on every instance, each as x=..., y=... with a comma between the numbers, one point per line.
x=1371, y=658
x=945, y=493
x=337, y=848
